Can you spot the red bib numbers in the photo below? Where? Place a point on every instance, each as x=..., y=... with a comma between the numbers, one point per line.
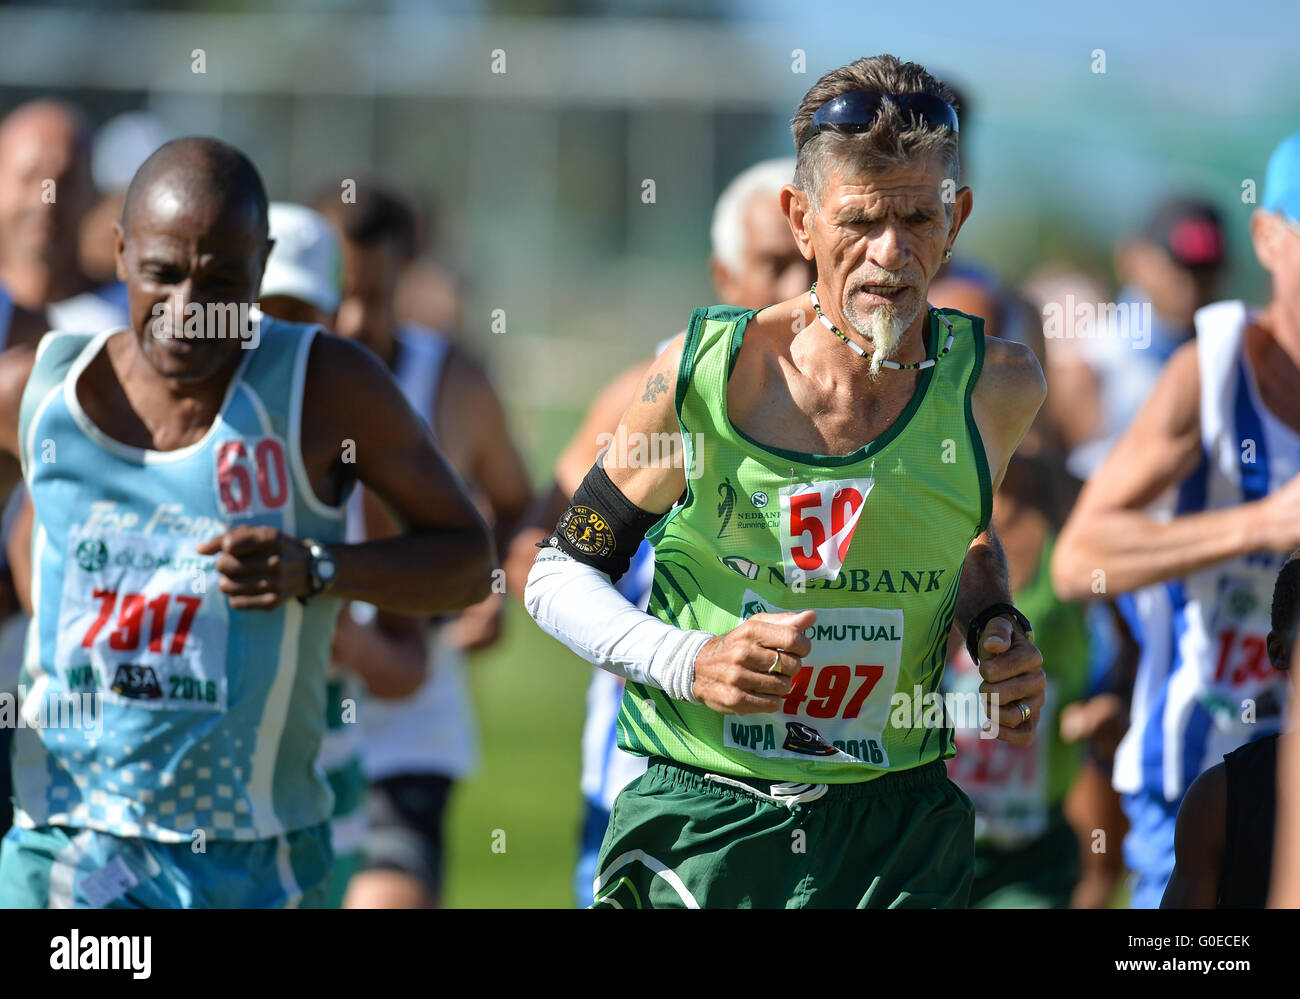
x=131, y=610
x=833, y=684
x=1241, y=657
x=252, y=476
x=817, y=524
x=142, y=621
x=1238, y=663
x=839, y=702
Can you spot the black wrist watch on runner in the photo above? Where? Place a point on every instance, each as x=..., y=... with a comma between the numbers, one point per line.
x=320, y=569
x=988, y=614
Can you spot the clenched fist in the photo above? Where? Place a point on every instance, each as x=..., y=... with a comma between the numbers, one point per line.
x=733, y=672
x=260, y=567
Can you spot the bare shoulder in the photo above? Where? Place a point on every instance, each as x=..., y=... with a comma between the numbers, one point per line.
x=1010, y=391
x=15, y=368
x=1011, y=367
x=1201, y=826
x=1207, y=797
x=466, y=382
x=345, y=383
x=338, y=363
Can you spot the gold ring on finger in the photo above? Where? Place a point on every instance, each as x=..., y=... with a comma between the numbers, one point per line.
x=1025, y=712
x=776, y=664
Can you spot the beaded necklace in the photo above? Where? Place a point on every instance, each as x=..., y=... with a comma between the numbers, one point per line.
x=894, y=365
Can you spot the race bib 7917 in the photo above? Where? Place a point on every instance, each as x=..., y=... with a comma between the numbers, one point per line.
x=142, y=622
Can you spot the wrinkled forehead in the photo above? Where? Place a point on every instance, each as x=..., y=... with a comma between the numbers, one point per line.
x=913, y=183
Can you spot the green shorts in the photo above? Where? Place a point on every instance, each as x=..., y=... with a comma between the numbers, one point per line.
x=51, y=867
x=681, y=838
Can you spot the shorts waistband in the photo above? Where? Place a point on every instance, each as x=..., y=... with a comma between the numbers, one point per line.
x=893, y=782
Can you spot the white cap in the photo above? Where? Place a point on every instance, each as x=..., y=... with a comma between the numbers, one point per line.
x=304, y=261
x=121, y=145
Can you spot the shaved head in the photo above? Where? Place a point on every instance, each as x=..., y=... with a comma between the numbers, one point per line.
x=193, y=235
x=200, y=172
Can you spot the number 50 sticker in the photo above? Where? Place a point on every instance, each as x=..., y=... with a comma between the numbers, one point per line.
x=817, y=524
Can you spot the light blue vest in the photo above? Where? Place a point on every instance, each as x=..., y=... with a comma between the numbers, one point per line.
x=163, y=711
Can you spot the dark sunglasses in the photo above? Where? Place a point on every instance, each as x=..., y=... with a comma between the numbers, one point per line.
x=856, y=111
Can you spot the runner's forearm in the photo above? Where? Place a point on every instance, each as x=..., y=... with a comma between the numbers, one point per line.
x=579, y=606
x=1122, y=550
x=424, y=573
x=983, y=579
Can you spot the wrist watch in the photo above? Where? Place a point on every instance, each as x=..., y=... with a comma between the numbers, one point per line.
x=321, y=568
x=984, y=617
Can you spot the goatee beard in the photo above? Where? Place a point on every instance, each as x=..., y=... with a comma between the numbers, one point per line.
x=884, y=326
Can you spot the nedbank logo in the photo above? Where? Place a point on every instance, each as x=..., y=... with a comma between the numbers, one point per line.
x=728, y=493
x=92, y=555
x=858, y=580
x=751, y=608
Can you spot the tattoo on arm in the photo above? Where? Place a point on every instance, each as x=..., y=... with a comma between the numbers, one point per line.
x=655, y=387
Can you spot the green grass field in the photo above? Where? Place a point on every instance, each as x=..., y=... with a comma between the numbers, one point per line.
x=530, y=694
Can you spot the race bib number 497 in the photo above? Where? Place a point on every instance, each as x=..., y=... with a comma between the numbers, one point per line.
x=839, y=702
x=142, y=622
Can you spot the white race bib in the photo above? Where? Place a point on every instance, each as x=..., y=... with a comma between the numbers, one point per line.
x=142, y=622
x=840, y=702
x=1238, y=668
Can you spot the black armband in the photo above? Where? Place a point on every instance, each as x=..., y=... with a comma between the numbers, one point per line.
x=602, y=528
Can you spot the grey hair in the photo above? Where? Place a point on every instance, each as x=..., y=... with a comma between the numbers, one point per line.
x=893, y=140
x=728, y=229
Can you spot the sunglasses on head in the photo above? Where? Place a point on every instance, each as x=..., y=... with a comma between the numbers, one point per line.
x=856, y=111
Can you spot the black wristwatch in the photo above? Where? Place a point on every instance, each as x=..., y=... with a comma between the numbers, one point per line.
x=984, y=617
x=321, y=568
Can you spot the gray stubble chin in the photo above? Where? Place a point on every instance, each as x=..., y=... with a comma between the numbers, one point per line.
x=883, y=326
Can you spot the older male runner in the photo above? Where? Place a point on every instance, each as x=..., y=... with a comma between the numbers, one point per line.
x=755, y=262
x=848, y=442
x=189, y=498
x=1190, y=519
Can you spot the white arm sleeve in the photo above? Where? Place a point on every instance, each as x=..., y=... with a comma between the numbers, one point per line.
x=578, y=605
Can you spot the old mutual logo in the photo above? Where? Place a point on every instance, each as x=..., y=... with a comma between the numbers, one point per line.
x=92, y=555
x=728, y=493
